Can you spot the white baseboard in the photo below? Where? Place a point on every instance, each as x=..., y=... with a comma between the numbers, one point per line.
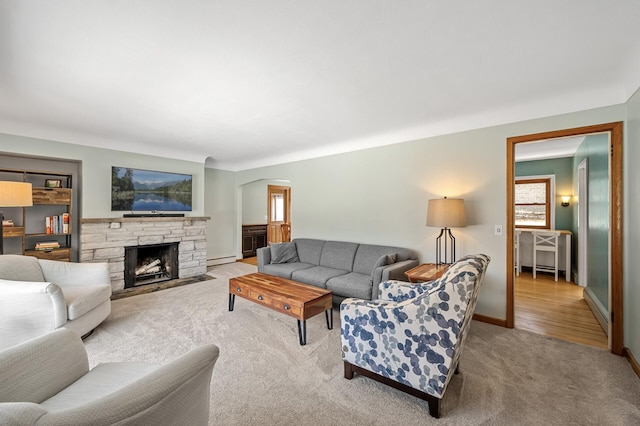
x=221, y=260
x=598, y=310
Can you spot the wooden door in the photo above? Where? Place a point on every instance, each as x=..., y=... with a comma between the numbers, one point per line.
x=279, y=211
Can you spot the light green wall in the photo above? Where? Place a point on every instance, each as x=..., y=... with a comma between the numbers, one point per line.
x=632, y=227
x=254, y=203
x=595, y=148
x=562, y=168
x=220, y=205
x=96, y=170
x=380, y=195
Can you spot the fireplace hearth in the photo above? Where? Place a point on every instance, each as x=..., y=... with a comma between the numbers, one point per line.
x=150, y=264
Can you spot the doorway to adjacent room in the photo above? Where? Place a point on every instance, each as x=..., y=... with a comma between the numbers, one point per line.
x=614, y=131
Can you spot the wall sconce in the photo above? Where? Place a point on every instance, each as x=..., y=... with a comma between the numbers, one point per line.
x=565, y=200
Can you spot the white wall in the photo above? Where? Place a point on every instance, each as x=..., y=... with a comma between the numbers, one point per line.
x=632, y=227
x=380, y=195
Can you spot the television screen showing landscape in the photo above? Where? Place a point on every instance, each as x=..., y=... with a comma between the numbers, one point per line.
x=146, y=190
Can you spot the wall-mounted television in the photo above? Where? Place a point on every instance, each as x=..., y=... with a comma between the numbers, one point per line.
x=148, y=190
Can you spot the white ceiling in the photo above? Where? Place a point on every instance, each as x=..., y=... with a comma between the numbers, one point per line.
x=548, y=148
x=243, y=84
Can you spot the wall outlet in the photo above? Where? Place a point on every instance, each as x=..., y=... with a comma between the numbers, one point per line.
x=497, y=230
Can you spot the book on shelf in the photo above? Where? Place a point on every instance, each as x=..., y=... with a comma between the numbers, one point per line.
x=7, y=223
x=57, y=224
x=47, y=245
x=65, y=223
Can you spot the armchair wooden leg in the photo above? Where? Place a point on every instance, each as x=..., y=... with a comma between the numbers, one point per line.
x=434, y=407
x=348, y=371
x=432, y=401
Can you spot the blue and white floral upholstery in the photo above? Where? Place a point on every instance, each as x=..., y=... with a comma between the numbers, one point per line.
x=411, y=337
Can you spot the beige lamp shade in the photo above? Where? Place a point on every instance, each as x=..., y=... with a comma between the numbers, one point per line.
x=446, y=213
x=15, y=194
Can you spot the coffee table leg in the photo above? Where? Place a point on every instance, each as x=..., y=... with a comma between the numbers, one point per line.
x=329, y=314
x=232, y=299
x=302, y=332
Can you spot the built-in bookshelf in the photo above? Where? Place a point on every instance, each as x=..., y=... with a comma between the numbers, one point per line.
x=44, y=229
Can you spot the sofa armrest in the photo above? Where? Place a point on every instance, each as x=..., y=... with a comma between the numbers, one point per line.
x=37, y=369
x=29, y=309
x=264, y=257
x=68, y=273
x=394, y=271
x=175, y=393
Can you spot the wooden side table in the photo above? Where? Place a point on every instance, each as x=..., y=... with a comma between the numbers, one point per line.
x=426, y=272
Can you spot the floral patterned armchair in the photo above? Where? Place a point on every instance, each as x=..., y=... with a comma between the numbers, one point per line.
x=411, y=337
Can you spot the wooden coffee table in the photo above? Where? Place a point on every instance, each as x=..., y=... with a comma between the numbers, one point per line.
x=292, y=298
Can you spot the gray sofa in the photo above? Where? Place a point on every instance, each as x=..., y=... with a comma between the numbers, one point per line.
x=347, y=269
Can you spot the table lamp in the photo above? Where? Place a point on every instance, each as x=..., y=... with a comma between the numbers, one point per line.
x=13, y=194
x=446, y=213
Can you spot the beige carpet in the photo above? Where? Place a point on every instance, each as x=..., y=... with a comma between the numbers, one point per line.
x=263, y=376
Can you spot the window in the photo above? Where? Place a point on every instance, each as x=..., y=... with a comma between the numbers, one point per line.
x=277, y=207
x=533, y=203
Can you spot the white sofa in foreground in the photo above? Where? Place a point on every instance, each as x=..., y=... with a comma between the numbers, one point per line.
x=47, y=381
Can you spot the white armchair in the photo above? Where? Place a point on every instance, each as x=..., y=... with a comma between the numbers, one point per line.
x=47, y=381
x=38, y=296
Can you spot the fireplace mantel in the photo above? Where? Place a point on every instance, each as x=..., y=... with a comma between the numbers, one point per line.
x=105, y=239
x=142, y=219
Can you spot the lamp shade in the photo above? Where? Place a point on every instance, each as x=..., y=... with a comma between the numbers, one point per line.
x=15, y=194
x=446, y=213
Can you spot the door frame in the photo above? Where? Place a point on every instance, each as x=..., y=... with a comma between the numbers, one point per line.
x=583, y=221
x=615, y=131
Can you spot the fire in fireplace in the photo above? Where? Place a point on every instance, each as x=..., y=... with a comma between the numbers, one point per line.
x=150, y=264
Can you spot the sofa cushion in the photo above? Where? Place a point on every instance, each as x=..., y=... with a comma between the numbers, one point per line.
x=15, y=267
x=352, y=284
x=316, y=275
x=284, y=253
x=80, y=299
x=338, y=255
x=309, y=250
x=284, y=270
x=368, y=255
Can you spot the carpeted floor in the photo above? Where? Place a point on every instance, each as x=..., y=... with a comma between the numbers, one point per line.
x=263, y=376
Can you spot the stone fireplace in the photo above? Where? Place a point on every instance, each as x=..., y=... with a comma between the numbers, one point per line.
x=107, y=240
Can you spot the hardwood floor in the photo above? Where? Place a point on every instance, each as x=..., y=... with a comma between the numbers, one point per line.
x=250, y=260
x=555, y=309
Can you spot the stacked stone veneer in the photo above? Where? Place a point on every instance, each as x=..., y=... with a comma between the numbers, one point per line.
x=104, y=240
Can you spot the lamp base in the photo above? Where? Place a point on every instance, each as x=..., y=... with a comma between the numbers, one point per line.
x=446, y=233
